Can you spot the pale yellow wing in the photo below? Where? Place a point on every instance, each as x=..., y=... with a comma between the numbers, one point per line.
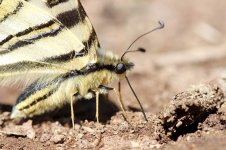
x=34, y=42
x=73, y=16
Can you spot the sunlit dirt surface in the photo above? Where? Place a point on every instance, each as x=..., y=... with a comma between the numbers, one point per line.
x=185, y=57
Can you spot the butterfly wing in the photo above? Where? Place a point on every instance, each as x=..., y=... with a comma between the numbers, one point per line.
x=73, y=16
x=35, y=39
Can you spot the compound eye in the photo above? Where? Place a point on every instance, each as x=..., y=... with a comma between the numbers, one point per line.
x=120, y=68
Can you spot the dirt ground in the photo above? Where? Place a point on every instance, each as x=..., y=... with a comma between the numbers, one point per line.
x=180, y=81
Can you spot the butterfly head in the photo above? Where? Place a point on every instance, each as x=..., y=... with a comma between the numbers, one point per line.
x=123, y=66
x=114, y=64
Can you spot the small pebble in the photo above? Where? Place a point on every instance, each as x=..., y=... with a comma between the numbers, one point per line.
x=44, y=138
x=57, y=139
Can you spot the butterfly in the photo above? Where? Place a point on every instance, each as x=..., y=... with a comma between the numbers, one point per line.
x=52, y=47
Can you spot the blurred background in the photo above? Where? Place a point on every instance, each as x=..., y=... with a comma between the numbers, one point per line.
x=190, y=49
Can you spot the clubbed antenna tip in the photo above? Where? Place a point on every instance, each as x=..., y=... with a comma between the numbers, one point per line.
x=162, y=24
x=140, y=49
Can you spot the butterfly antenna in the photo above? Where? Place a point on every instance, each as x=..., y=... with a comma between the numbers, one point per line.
x=142, y=109
x=161, y=26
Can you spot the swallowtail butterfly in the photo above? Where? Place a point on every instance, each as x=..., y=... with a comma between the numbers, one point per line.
x=51, y=45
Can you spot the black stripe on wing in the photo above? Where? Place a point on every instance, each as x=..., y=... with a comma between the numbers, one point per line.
x=66, y=57
x=38, y=27
x=18, y=7
x=23, y=67
x=71, y=18
x=8, y=38
x=32, y=89
x=30, y=40
x=52, y=3
x=92, y=39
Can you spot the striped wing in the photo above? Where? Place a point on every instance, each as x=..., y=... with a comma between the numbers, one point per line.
x=35, y=39
x=73, y=16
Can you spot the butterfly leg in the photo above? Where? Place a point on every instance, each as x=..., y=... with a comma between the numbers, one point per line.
x=97, y=105
x=72, y=112
x=118, y=95
x=119, y=98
